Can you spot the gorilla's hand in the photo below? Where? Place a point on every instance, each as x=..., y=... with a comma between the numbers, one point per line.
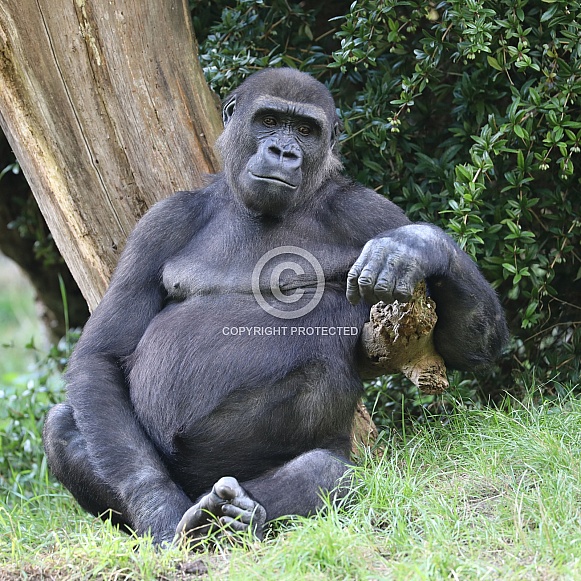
x=390, y=266
x=227, y=508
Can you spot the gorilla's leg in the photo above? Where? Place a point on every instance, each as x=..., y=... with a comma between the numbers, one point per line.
x=297, y=488
x=67, y=457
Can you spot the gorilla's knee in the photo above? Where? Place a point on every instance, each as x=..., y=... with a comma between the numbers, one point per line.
x=59, y=425
x=61, y=438
x=68, y=459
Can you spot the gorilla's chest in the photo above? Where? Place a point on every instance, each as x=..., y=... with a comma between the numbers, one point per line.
x=193, y=274
x=226, y=262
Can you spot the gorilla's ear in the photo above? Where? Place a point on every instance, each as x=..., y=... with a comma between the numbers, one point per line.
x=336, y=133
x=228, y=109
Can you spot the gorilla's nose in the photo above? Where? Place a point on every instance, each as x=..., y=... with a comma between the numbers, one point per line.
x=287, y=155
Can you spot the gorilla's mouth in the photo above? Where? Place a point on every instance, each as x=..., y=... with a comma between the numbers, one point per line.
x=274, y=180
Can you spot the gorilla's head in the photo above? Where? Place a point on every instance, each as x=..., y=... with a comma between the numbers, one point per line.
x=280, y=139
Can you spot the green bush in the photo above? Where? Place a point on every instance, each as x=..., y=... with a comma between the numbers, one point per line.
x=26, y=400
x=250, y=35
x=466, y=114
x=469, y=116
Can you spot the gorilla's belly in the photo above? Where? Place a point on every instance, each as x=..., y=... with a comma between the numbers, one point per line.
x=214, y=371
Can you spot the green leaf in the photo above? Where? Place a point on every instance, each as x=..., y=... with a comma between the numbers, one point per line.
x=509, y=267
x=493, y=63
x=521, y=132
x=464, y=173
x=550, y=12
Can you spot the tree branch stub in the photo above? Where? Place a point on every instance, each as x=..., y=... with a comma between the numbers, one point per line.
x=399, y=338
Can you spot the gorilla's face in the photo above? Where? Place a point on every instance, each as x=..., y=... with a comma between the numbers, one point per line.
x=277, y=152
x=289, y=144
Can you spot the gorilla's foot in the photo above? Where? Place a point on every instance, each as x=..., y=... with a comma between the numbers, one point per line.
x=227, y=508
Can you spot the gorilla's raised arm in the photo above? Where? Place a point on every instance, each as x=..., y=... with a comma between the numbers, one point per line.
x=471, y=328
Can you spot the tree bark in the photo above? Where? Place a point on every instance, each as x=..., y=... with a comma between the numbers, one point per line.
x=107, y=110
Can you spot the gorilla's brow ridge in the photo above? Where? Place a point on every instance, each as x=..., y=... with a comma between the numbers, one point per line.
x=306, y=110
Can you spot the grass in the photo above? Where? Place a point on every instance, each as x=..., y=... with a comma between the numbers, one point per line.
x=490, y=494
x=493, y=494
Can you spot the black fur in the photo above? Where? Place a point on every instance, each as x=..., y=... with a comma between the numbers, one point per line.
x=166, y=392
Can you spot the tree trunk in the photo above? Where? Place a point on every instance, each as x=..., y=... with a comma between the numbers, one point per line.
x=107, y=110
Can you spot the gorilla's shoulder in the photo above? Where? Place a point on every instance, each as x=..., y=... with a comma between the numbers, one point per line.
x=186, y=206
x=189, y=201
x=351, y=200
x=341, y=188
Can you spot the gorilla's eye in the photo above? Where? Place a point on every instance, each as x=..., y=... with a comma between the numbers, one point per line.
x=269, y=121
x=304, y=130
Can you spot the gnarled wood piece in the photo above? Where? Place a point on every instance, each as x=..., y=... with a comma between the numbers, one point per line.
x=398, y=338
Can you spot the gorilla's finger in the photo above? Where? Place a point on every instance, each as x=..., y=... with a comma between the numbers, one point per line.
x=228, y=488
x=234, y=524
x=406, y=284
x=370, y=273
x=384, y=287
x=194, y=524
x=243, y=502
x=353, y=292
x=242, y=514
x=191, y=519
x=367, y=289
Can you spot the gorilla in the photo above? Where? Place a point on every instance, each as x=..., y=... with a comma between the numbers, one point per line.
x=215, y=385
